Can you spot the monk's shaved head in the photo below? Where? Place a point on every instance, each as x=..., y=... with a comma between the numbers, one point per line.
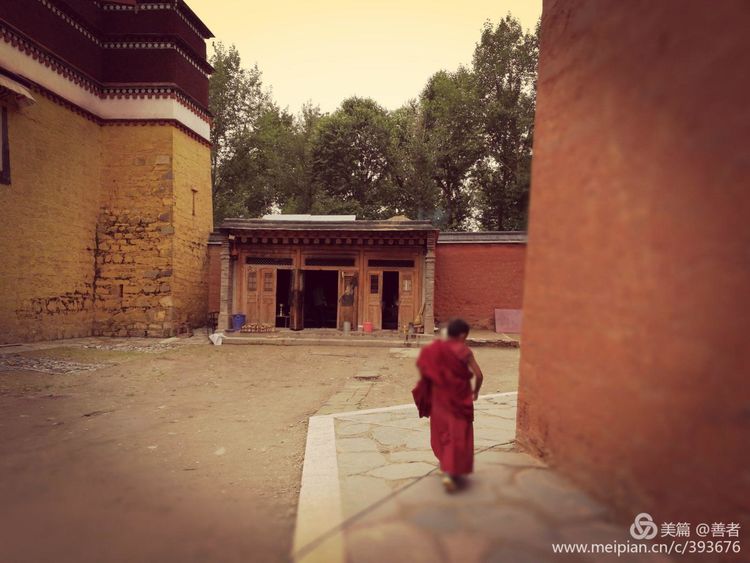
x=458, y=328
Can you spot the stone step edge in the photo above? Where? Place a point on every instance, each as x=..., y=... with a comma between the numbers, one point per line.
x=370, y=343
x=343, y=341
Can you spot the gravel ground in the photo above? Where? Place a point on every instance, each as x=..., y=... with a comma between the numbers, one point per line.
x=185, y=453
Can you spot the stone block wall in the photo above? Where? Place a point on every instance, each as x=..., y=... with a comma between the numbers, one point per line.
x=104, y=227
x=48, y=218
x=192, y=218
x=153, y=229
x=135, y=233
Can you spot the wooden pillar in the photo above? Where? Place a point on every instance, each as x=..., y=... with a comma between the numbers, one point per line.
x=297, y=311
x=225, y=299
x=429, y=287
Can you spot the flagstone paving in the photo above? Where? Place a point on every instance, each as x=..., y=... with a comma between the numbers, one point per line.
x=390, y=505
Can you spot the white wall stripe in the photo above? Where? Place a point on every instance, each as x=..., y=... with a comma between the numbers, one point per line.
x=24, y=65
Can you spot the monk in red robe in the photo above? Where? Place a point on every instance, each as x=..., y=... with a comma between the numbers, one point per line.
x=444, y=393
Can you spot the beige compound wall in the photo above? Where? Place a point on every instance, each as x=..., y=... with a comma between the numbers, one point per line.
x=135, y=232
x=48, y=218
x=193, y=221
x=104, y=228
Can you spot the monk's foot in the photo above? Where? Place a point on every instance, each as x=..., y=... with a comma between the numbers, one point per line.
x=449, y=483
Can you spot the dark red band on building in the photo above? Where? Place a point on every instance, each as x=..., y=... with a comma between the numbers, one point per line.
x=115, y=45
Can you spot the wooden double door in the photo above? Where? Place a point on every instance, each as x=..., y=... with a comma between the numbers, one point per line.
x=262, y=289
x=348, y=293
x=379, y=296
x=260, y=295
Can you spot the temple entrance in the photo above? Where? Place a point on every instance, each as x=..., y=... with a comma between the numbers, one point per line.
x=321, y=288
x=260, y=306
x=390, y=300
x=283, y=298
x=354, y=281
x=348, y=299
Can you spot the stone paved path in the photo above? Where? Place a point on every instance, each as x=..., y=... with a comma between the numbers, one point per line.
x=14, y=362
x=371, y=493
x=15, y=357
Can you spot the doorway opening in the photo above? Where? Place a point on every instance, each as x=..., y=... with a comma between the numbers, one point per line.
x=321, y=298
x=390, y=301
x=283, y=297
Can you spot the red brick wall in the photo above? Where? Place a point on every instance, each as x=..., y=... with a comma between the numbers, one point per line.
x=214, y=277
x=472, y=280
x=635, y=359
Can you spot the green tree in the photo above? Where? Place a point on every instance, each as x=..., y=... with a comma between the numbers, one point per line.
x=237, y=101
x=270, y=168
x=504, y=69
x=300, y=194
x=459, y=155
x=352, y=152
x=454, y=142
x=261, y=156
x=416, y=194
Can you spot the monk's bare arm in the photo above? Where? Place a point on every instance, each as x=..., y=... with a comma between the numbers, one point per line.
x=477, y=371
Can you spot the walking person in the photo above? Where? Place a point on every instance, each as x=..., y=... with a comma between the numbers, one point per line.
x=444, y=393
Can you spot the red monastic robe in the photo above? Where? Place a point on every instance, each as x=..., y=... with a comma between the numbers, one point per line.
x=444, y=394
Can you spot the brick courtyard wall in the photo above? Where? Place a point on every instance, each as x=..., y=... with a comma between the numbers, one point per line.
x=47, y=272
x=472, y=280
x=634, y=366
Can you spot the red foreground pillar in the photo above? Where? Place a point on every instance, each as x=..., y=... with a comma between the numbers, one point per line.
x=635, y=367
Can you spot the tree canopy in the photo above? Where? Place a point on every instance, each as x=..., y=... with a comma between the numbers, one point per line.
x=458, y=154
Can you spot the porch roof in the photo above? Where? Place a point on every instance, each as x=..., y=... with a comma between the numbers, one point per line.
x=483, y=237
x=388, y=225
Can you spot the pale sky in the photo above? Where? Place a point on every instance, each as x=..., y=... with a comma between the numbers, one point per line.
x=327, y=50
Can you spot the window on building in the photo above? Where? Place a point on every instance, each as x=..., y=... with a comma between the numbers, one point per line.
x=267, y=261
x=374, y=283
x=390, y=263
x=252, y=280
x=194, y=192
x=268, y=281
x=4, y=147
x=13, y=95
x=116, y=293
x=335, y=261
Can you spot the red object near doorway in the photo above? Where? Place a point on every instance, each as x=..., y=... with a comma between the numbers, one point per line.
x=367, y=326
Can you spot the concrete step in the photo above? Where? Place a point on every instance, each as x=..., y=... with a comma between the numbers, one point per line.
x=294, y=339
x=322, y=341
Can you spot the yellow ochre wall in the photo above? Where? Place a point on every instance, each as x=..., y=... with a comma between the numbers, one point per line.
x=48, y=224
x=135, y=232
x=193, y=224
x=98, y=231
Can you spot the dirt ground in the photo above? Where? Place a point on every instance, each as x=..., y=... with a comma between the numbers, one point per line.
x=177, y=452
